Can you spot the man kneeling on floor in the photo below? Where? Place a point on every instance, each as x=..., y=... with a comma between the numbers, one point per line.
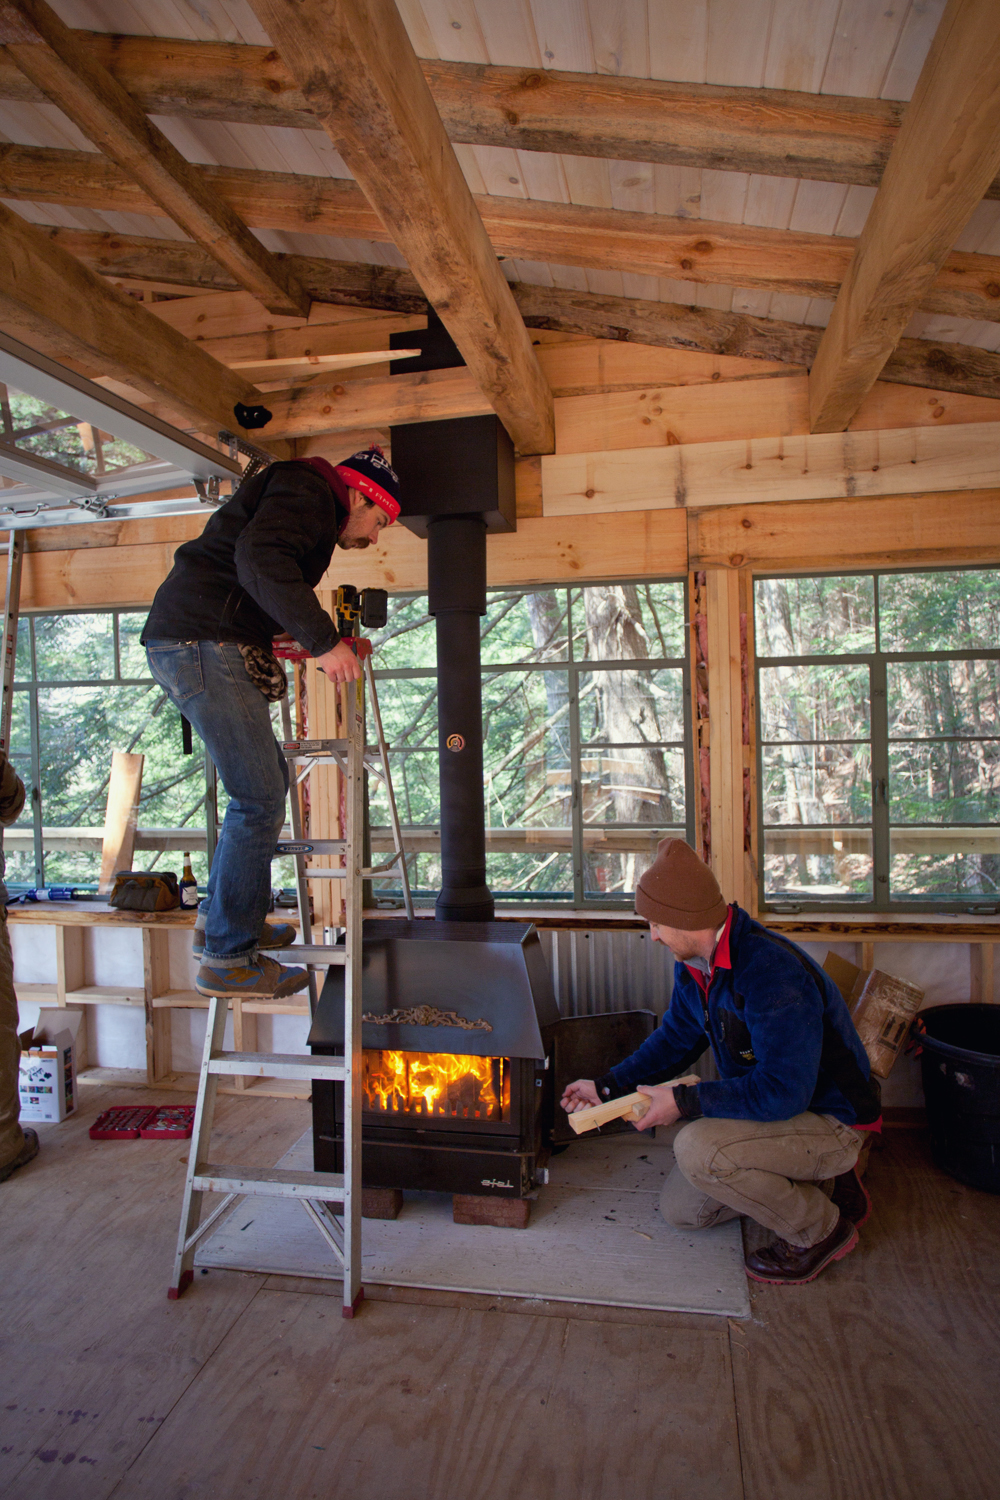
x=794, y=1094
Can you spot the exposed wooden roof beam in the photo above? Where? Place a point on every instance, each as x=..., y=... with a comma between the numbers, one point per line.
x=49, y=53
x=53, y=302
x=923, y=362
x=779, y=132
x=777, y=260
x=174, y=263
x=361, y=76
x=946, y=154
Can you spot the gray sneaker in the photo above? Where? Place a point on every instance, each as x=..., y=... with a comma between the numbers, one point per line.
x=274, y=935
x=27, y=1153
x=258, y=976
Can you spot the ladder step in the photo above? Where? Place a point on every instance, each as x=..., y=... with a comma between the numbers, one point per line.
x=270, y=1182
x=275, y=1065
x=310, y=846
x=307, y=953
x=314, y=747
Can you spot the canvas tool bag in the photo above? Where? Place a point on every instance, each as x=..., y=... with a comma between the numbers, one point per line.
x=145, y=890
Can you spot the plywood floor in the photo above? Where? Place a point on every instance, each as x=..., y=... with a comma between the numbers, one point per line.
x=878, y=1382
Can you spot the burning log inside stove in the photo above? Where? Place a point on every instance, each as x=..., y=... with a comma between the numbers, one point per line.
x=446, y=1085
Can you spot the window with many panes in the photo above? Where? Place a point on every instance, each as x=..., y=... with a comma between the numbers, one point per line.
x=879, y=739
x=584, y=707
x=584, y=694
x=82, y=689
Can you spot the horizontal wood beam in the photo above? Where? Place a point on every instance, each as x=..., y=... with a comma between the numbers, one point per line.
x=945, y=156
x=828, y=535
x=344, y=283
x=961, y=368
x=380, y=402
x=897, y=461
x=540, y=551
x=924, y=362
x=357, y=67
x=50, y=54
x=56, y=304
x=781, y=133
x=778, y=260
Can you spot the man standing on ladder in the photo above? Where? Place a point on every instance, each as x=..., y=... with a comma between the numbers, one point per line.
x=248, y=578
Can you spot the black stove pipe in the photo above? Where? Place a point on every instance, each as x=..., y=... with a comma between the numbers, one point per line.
x=456, y=555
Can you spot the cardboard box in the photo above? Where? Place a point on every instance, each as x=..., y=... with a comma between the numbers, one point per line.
x=47, y=1079
x=882, y=1008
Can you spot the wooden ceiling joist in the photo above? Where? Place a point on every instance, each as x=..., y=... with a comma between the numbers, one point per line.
x=357, y=68
x=946, y=154
x=961, y=368
x=825, y=138
x=777, y=260
x=52, y=57
x=53, y=302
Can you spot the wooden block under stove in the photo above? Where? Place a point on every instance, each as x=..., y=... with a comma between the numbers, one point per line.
x=381, y=1202
x=501, y=1213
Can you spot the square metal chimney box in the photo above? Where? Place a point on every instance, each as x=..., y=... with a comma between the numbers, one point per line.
x=492, y=975
x=460, y=467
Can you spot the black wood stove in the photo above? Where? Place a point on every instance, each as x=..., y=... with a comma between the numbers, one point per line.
x=456, y=1088
x=454, y=1066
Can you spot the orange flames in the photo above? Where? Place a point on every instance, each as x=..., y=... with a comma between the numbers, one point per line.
x=436, y=1083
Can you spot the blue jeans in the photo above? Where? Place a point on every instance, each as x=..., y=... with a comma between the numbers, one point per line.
x=208, y=682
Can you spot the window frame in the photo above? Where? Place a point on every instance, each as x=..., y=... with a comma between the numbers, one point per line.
x=578, y=899
x=878, y=661
x=31, y=685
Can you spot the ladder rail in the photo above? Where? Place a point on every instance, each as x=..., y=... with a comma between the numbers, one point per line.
x=301, y=887
x=316, y=1191
x=353, y=916
x=397, y=832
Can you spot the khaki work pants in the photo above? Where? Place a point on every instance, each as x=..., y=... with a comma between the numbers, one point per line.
x=11, y=1134
x=725, y=1168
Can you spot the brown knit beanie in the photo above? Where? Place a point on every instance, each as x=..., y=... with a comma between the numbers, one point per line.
x=679, y=890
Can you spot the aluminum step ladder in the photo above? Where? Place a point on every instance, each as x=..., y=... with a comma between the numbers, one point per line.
x=332, y=1200
x=304, y=754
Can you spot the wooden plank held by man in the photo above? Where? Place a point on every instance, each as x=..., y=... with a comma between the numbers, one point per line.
x=629, y=1107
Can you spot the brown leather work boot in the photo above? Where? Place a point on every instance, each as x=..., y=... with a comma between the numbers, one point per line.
x=783, y=1264
x=851, y=1197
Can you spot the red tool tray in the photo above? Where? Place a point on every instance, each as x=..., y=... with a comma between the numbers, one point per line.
x=122, y=1123
x=170, y=1122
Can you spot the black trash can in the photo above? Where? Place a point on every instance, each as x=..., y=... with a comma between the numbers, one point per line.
x=961, y=1068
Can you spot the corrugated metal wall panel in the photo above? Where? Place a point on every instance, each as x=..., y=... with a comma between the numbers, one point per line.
x=594, y=972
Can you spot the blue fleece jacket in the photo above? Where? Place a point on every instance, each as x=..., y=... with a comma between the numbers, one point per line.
x=782, y=1037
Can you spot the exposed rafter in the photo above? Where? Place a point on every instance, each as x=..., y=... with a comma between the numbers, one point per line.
x=961, y=368
x=825, y=138
x=54, y=303
x=777, y=260
x=50, y=54
x=361, y=76
x=946, y=154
